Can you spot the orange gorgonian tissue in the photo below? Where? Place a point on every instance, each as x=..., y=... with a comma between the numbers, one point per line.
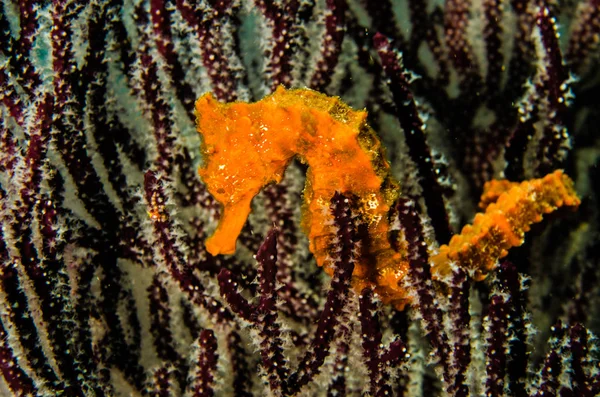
x=249, y=145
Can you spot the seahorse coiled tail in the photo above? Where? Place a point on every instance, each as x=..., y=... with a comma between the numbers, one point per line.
x=510, y=210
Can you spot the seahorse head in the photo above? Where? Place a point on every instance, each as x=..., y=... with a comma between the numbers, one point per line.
x=240, y=157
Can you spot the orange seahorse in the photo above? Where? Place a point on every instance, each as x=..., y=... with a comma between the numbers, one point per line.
x=249, y=145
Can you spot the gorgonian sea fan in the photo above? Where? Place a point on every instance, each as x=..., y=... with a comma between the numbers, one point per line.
x=106, y=287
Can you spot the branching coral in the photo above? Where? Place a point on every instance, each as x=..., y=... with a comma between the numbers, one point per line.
x=106, y=286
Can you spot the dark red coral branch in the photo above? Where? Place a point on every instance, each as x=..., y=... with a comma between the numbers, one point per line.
x=204, y=370
x=408, y=115
x=160, y=327
x=282, y=23
x=167, y=247
x=211, y=27
x=14, y=375
x=584, y=40
x=331, y=44
x=345, y=221
x=456, y=20
x=420, y=282
x=493, y=44
x=379, y=360
x=264, y=314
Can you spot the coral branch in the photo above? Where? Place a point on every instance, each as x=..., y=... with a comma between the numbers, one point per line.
x=213, y=29
x=331, y=44
x=419, y=281
x=344, y=259
x=585, y=37
x=263, y=315
x=203, y=377
x=280, y=21
x=377, y=359
x=413, y=126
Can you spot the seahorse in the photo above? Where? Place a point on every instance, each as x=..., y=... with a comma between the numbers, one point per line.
x=249, y=145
